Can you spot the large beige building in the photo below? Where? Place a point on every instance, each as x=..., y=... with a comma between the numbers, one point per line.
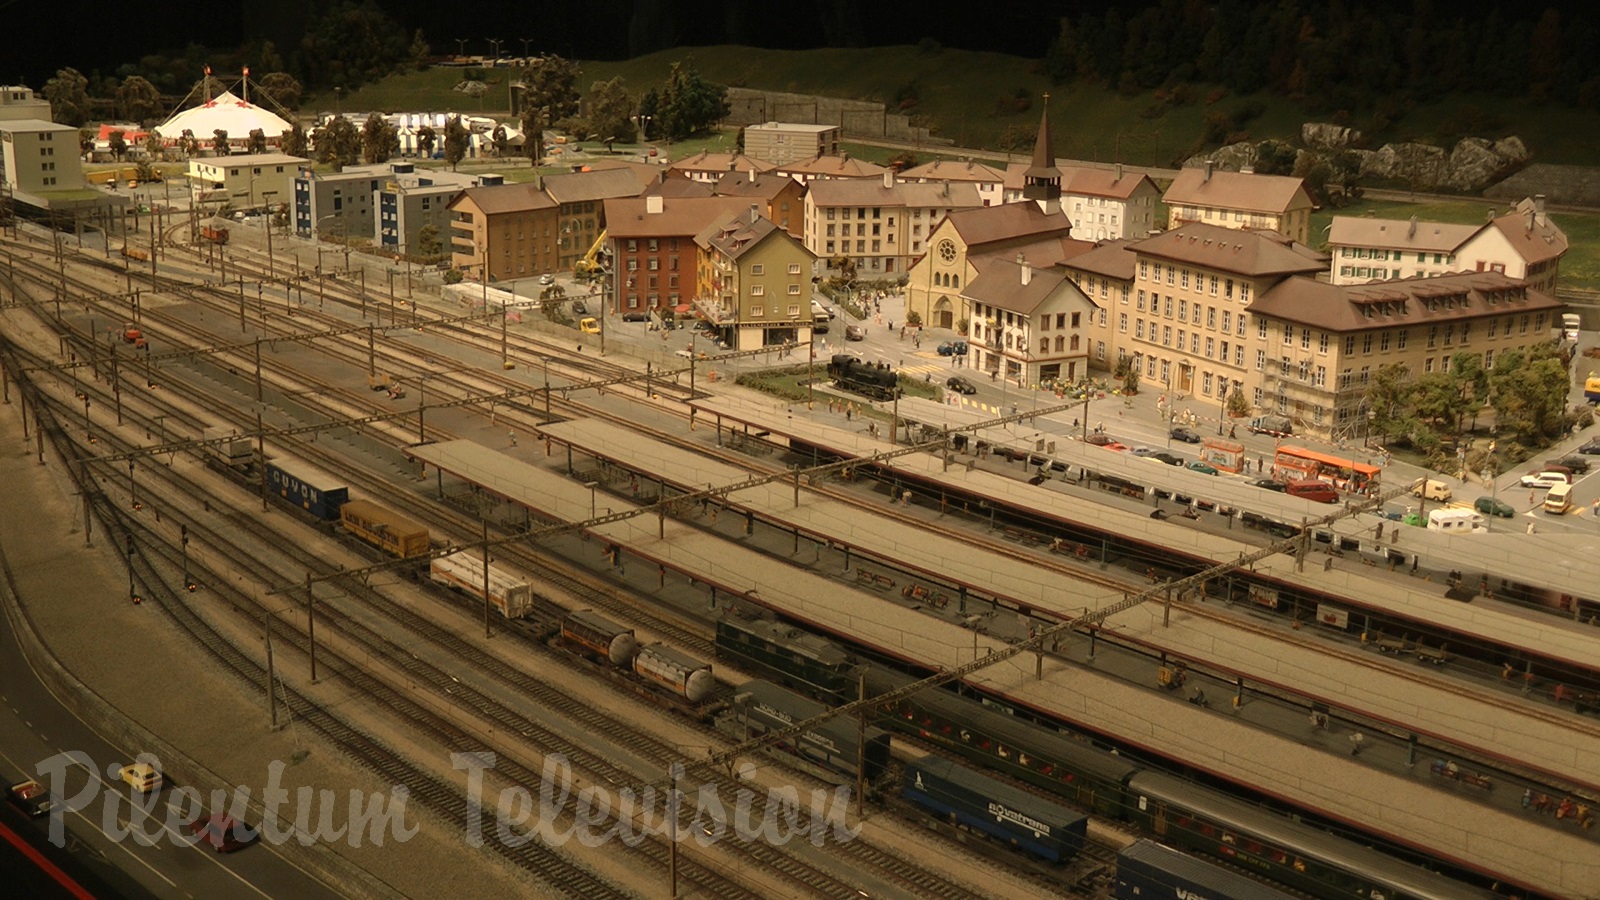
x=19, y=102
x=786, y=142
x=881, y=224
x=40, y=157
x=991, y=183
x=506, y=231
x=961, y=244
x=1182, y=308
x=1103, y=204
x=1318, y=345
x=1213, y=196
x=246, y=181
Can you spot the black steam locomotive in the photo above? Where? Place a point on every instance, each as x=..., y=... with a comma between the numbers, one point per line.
x=875, y=380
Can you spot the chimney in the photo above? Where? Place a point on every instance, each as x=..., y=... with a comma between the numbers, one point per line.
x=1411, y=232
x=944, y=190
x=755, y=213
x=888, y=179
x=752, y=174
x=1538, y=208
x=1119, y=173
x=1210, y=167
x=653, y=205
x=1027, y=270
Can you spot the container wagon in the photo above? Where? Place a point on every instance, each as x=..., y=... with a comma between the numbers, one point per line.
x=313, y=491
x=509, y=593
x=1030, y=823
x=1147, y=870
x=600, y=637
x=761, y=706
x=384, y=528
x=673, y=671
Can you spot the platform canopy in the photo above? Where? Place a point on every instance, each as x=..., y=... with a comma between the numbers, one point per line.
x=226, y=112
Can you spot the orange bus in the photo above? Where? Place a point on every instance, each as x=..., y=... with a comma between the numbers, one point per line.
x=1298, y=463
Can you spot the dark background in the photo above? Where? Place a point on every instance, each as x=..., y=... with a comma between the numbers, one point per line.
x=100, y=35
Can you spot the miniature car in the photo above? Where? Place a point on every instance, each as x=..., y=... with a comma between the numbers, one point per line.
x=30, y=797
x=960, y=385
x=1184, y=434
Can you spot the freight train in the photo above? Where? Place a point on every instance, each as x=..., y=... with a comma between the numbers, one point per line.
x=656, y=665
x=875, y=380
x=1191, y=817
x=384, y=528
x=509, y=593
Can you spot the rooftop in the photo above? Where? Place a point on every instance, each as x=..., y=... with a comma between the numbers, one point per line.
x=1406, y=301
x=1242, y=251
x=1220, y=189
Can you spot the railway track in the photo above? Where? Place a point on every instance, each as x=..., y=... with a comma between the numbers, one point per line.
x=911, y=876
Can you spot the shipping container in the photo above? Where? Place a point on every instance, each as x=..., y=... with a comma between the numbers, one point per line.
x=509, y=593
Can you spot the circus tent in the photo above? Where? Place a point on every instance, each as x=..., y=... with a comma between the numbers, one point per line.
x=225, y=112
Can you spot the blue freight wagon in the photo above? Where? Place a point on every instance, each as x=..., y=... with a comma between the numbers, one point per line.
x=1147, y=870
x=1034, y=824
x=313, y=491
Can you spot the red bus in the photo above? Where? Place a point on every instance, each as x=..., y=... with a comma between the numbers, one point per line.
x=1297, y=463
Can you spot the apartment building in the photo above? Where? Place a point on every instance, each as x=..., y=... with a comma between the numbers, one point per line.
x=1522, y=243
x=248, y=181
x=1318, y=345
x=1105, y=273
x=580, y=206
x=1212, y=196
x=754, y=282
x=783, y=199
x=409, y=201
x=823, y=168
x=1027, y=324
x=786, y=142
x=990, y=182
x=880, y=224
x=1103, y=204
x=504, y=231
x=708, y=167
x=651, y=240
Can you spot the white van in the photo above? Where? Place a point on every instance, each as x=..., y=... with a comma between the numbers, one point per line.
x=1559, y=499
x=1455, y=521
x=1435, y=490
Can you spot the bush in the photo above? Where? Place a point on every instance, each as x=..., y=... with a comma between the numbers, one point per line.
x=913, y=318
x=453, y=276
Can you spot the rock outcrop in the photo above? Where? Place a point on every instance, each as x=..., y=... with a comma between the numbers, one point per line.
x=1471, y=165
x=1327, y=136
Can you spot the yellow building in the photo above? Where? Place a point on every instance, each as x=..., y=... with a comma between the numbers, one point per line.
x=754, y=282
x=1212, y=196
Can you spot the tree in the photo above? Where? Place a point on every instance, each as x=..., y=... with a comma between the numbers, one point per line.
x=352, y=43
x=344, y=141
x=456, y=141
x=189, y=144
x=550, y=94
x=257, y=142
x=1528, y=390
x=138, y=99
x=500, y=141
x=322, y=148
x=610, y=107
x=903, y=160
x=68, y=94
x=427, y=139
x=1386, y=400
x=378, y=139
x=294, y=141
x=419, y=53
x=281, y=88
x=86, y=138
x=1237, y=404
x=428, y=245
x=117, y=144
x=219, y=142
x=690, y=105
x=152, y=145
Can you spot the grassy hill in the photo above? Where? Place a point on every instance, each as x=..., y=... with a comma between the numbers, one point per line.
x=966, y=97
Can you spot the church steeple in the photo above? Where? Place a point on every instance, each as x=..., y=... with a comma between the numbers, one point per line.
x=1041, y=183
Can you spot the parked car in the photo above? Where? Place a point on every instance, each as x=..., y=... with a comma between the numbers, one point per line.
x=1143, y=451
x=636, y=317
x=1591, y=447
x=1433, y=490
x=547, y=279
x=589, y=326
x=1269, y=484
x=960, y=385
x=1184, y=434
x=223, y=832
x=1171, y=459
x=1544, y=480
x=855, y=333
x=1574, y=462
x=953, y=348
x=1493, y=506
x=1311, y=489
x=1100, y=439
x=1202, y=466
x=579, y=308
x=30, y=797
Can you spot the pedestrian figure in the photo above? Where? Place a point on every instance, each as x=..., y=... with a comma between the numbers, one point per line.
x=1356, y=739
x=848, y=412
x=513, y=438
x=891, y=324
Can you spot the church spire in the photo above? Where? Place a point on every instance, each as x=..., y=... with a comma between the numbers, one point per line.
x=1042, y=181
